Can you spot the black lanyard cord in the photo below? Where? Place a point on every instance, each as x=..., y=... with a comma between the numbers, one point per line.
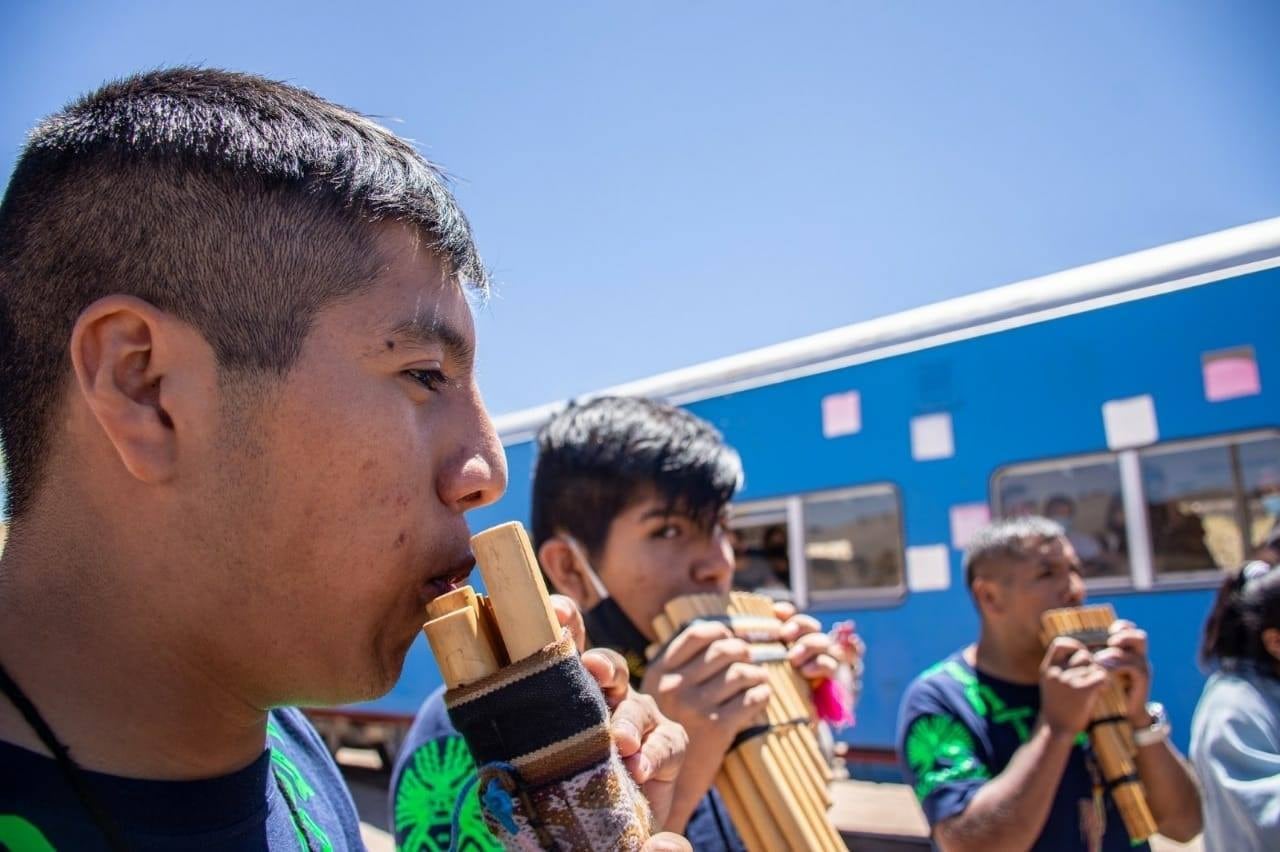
x=62, y=756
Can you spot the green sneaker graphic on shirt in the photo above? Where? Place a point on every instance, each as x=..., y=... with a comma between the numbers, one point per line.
x=941, y=750
x=432, y=780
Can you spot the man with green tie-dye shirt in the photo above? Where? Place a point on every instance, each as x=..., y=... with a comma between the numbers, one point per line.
x=992, y=738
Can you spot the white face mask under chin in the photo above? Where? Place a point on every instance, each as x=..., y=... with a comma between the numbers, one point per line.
x=580, y=554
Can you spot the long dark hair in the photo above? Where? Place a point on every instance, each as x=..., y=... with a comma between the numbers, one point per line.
x=1247, y=604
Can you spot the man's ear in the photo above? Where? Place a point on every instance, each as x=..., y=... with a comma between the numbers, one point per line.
x=566, y=573
x=128, y=359
x=986, y=594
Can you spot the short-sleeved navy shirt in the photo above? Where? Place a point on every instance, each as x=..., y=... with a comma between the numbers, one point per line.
x=958, y=728
x=434, y=766
x=245, y=810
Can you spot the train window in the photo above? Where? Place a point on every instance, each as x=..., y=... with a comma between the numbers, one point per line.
x=760, y=547
x=1082, y=494
x=853, y=543
x=1210, y=503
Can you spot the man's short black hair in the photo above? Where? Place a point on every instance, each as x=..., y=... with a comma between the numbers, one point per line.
x=238, y=204
x=1006, y=540
x=596, y=459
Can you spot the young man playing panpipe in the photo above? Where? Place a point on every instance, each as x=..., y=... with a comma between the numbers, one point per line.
x=628, y=513
x=991, y=738
x=242, y=428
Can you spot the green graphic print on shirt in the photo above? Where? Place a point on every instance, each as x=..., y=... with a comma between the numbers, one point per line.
x=429, y=787
x=18, y=835
x=298, y=791
x=940, y=749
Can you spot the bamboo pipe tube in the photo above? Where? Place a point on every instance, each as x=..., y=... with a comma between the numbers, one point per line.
x=746, y=806
x=795, y=704
x=1111, y=735
x=756, y=815
x=526, y=622
x=783, y=679
x=449, y=601
x=799, y=759
x=460, y=647
x=796, y=695
x=776, y=785
x=729, y=792
x=811, y=788
x=795, y=763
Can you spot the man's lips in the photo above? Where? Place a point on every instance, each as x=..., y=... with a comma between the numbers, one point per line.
x=447, y=580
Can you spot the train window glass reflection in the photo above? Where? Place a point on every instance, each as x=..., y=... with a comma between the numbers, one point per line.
x=1207, y=502
x=1082, y=494
x=760, y=539
x=1260, y=466
x=853, y=543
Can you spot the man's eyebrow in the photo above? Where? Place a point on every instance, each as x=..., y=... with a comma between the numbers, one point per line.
x=428, y=330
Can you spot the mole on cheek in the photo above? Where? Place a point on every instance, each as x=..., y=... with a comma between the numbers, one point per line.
x=391, y=344
x=400, y=539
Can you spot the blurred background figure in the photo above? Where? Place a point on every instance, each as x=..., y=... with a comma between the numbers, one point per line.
x=1062, y=509
x=1235, y=736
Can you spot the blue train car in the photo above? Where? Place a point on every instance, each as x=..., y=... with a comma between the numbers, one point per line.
x=1136, y=399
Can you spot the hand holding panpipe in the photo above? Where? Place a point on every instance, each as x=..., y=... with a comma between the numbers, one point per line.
x=1110, y=732
x=534, y=719
x=774, y=779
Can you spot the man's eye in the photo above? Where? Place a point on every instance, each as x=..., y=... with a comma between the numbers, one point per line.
x=432, y=380
x=667, y=531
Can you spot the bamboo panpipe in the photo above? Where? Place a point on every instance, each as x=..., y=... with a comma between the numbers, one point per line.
x=774, y=783
x=569, y=790
x=1110, y=733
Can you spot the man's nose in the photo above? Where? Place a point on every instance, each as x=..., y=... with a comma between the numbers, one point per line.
x=715, y=565
x=479, y=478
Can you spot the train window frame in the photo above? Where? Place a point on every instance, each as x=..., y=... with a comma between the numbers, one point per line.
x=1126, y=582
x=1142, y=576
x=1206, y=578
x=793, y=505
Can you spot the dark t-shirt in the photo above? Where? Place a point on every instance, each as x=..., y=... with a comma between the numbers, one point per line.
x=434, y=766
x=958, y=728
x=246, y=810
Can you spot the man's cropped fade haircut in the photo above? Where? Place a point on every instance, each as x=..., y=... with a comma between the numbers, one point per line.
x=596, y=459
x=1006, y=540
x=238, y=204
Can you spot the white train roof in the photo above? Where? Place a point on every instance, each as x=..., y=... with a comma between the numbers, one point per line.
x=1175, y=266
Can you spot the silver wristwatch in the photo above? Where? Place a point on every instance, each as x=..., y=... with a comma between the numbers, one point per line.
x=1157, y=731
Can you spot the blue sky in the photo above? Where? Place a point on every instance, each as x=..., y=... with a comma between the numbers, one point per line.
x=658, y=184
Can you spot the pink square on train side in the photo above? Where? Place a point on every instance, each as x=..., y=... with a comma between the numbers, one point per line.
x=1232, y=377
x=841, y=414
x=966, y=520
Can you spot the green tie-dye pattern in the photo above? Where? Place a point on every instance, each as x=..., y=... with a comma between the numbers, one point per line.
x=298, y=790
x=987, y=704
x=429, y=786
x=18, y=835
x=940, y=750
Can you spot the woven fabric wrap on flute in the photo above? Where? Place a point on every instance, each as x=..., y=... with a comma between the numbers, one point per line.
x=538, y=730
